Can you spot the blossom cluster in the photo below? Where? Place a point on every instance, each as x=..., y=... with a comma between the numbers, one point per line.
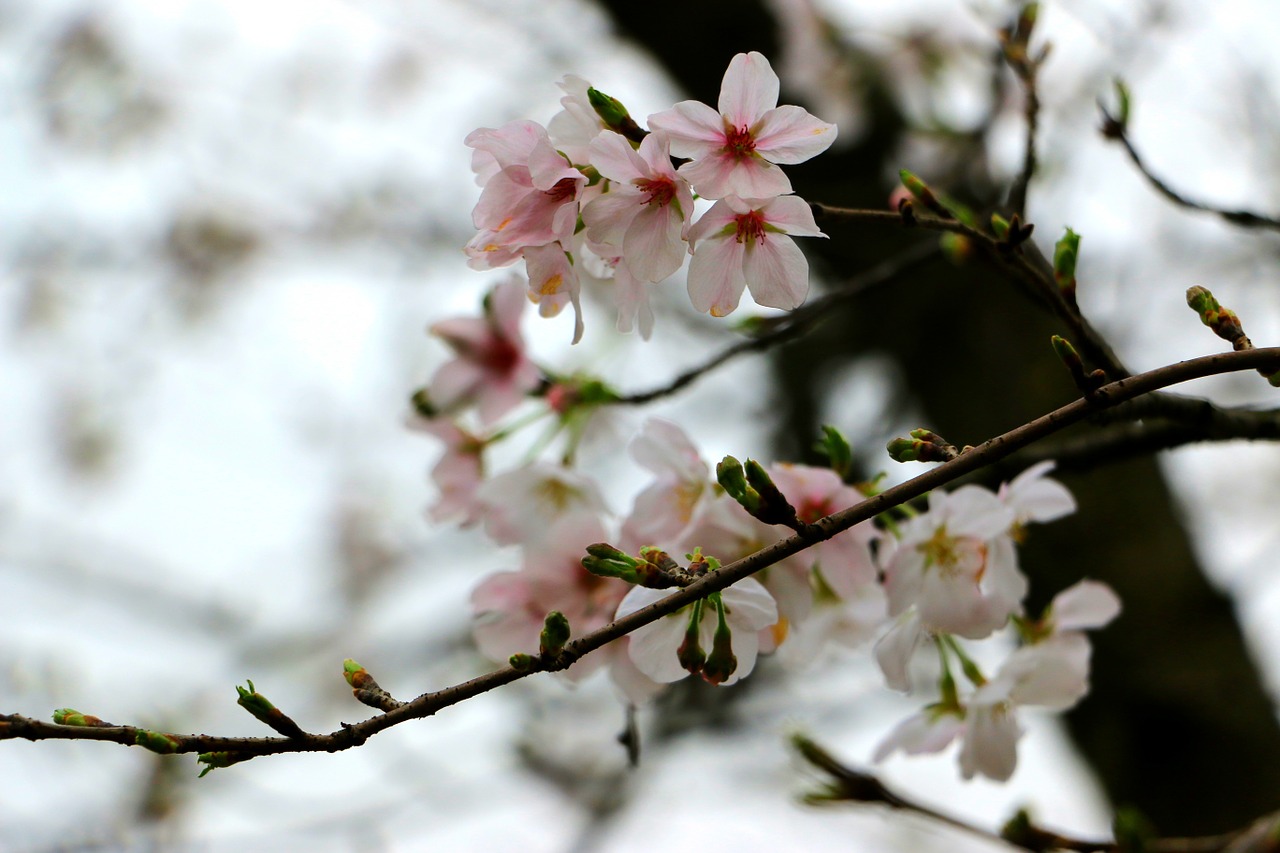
x=932, y=579
x=593, y=195
x=593, y=190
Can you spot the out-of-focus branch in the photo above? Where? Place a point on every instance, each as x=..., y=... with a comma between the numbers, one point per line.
x=1115, y=128
x=1015, y=48
x=1029, y=270
x=230, y=750
x=847, y=785
x=779, y=330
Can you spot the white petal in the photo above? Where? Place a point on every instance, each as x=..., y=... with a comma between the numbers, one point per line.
x=749, y=89
x=1088, y=604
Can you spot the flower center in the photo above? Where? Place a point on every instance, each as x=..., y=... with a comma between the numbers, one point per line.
x=563, y=190
x=954, y=555
x=750, y=227
x=738, y=142
x=500, y=356
x=659, y=192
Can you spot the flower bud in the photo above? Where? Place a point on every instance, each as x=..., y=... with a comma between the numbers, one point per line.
x=262, y=709
x=158, y=741
x=690, y=653
x=555, y=633
x=1064, y=265
x=1223, y=321
x=772, y=506
x=214, y=760
x=521, y=662
x=923, y=194
x=615, y=115
x=72, y=717
x=730, y=477
x=922, y=446
x=834, y=447
x=721, y=663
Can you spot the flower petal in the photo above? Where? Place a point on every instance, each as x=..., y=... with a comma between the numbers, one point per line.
x=749, y=89
x=790, y=135
x=694, y=129
x=777, y=272
x=716, y=281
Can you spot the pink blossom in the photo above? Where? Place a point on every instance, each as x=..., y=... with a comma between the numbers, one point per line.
x=667, y=507
x=522, y=505
x=577, y=123
x=490, y=368
x=511, y=607
x=654, y=648
x=844, y=561
x=530, y=199
x=734, y=150
x=458, y=473
x=743, y=243
x=956, y=563
x=646, y=209
x=553, y=283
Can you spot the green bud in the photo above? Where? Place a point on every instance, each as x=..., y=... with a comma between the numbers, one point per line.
x=730, y=477
x=999, y=226
x=923, y=194
x=521, y=662
x=1123, y=102
x=356, y=675
x=834, y=447
x=72, y=717
x=555, y=633
x=1222, y=320
x=772, y=507
x=614, y=115
x=158, y=741
x=922, y=446
x=262, y=709
x=653, y=571
x=1064, y=264
x=721, y=663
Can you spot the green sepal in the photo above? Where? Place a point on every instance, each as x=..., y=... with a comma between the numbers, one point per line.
x=555, y=633
x=653, y=570
x=157, y=741
x=834, y=447
x=922, y=446
x=1123, y=102
x=214, y=760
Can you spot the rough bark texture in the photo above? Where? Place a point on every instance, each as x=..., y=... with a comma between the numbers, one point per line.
x=1178, y=724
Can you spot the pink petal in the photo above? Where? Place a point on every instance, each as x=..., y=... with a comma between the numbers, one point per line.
x=790, y=213
x=652, y=248
x=693, y=128
x=613, y=157
x=608, y=216
x=749, y=89
x=716, y=281
x=777, y=272
x=791, y=135
x=718, y=175
x=1088, y=604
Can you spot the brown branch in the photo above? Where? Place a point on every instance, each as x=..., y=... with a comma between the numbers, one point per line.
x=987, y=453
x=1113, y=128
x=849, y=785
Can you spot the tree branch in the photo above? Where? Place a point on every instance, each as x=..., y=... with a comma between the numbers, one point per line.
x=987, y=453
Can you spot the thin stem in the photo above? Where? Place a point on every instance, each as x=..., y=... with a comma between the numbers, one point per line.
x=1114, y=129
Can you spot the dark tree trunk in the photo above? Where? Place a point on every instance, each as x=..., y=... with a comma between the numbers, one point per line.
x=1178, y=724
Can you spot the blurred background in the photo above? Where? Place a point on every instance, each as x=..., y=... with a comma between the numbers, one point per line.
x=224, y=227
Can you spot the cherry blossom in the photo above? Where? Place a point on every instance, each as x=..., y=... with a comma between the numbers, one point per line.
x=647, y=208
x=734, y=151
x=656, y=648
x=743, y=243
x=522, y=505
x=667, y=507
x=511, y=607
x=490, y=368
x=956, y=564
x=844, y=561
x=572, y=129
x=459, y=472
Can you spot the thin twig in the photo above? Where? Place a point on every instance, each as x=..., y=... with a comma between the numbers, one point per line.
x=791, y=326
x=987, y=453
x=1028, y=268
x=1112, y=128
x=850, y=785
